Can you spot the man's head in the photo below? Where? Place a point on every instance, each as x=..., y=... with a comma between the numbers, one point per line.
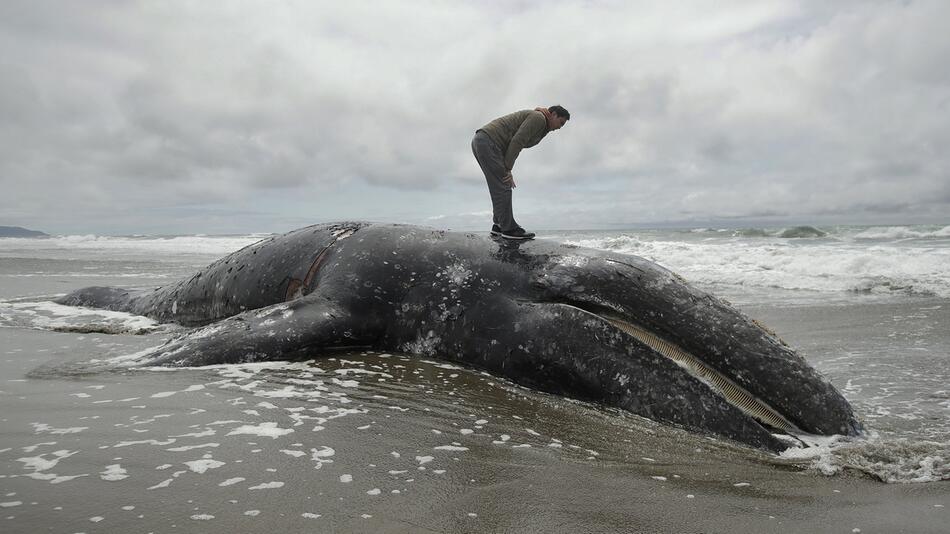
x=558, y=117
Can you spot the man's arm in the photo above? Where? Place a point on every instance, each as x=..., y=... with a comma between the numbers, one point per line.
x=534, y=124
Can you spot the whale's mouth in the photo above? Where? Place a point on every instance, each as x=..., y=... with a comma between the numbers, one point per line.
x=734, y=393
x=728, y=389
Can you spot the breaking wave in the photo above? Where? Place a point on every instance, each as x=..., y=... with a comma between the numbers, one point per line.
x=894, y=461
x=824, y=267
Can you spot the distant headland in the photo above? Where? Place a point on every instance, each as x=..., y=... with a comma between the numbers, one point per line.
x=16, y=231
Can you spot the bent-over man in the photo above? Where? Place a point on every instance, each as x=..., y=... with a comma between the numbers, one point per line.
x=496, y=147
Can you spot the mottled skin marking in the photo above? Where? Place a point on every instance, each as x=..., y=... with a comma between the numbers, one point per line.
x=534, y=312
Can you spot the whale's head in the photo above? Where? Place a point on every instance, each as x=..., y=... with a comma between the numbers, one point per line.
x=675, y=348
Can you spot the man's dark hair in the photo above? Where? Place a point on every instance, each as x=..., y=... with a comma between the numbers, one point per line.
x=560, y=112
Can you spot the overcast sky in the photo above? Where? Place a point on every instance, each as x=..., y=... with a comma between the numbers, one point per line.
x=228, y=117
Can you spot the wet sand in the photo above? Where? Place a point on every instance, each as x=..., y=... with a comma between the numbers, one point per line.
x=370, y=443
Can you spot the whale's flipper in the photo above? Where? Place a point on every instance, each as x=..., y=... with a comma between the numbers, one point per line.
x=280, y=331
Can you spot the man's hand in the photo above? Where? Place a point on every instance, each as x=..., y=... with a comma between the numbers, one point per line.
x=509, y=180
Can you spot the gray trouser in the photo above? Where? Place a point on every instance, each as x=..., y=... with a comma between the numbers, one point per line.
x=491, y=160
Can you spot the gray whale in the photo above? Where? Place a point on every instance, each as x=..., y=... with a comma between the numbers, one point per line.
x=592, y=325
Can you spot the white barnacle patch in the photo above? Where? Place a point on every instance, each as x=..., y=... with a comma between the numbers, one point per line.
x=424, y=345
x=664, y=279
x=622, y=379
x=456, y=274
x=343, y=233
x=271, y=310
x=208, y=331
x=573, y=261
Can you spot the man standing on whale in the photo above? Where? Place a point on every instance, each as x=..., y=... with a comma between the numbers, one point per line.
x=496, y=147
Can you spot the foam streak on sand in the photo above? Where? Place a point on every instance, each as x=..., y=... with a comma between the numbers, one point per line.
x=267, y=485
x=202, y=465
x=43, y=428
x=114, y=473
x=268, y=430
x=46, y=315
x=40, y=464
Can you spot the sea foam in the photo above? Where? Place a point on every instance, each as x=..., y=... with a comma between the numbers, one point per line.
x=767, y=264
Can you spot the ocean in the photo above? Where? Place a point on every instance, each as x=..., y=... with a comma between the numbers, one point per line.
x=390, y=442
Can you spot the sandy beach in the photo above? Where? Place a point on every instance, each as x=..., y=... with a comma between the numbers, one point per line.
x=369, y=442
x=396, y=444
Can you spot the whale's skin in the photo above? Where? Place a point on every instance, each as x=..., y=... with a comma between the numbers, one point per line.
x=533, y=312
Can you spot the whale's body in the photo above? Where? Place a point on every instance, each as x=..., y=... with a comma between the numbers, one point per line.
x=592, y=325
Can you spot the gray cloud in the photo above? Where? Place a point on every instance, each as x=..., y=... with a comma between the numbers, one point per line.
x=117, y=116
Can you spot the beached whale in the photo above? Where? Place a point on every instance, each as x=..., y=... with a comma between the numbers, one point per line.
x=588, y=324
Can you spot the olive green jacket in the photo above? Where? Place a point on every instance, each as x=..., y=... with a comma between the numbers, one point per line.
x=511, y=133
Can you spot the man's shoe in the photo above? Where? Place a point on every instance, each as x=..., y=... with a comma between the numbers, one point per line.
x=517, y=233
x=495, y=229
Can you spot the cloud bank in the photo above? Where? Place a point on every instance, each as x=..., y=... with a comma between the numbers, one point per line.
x=123, y=117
